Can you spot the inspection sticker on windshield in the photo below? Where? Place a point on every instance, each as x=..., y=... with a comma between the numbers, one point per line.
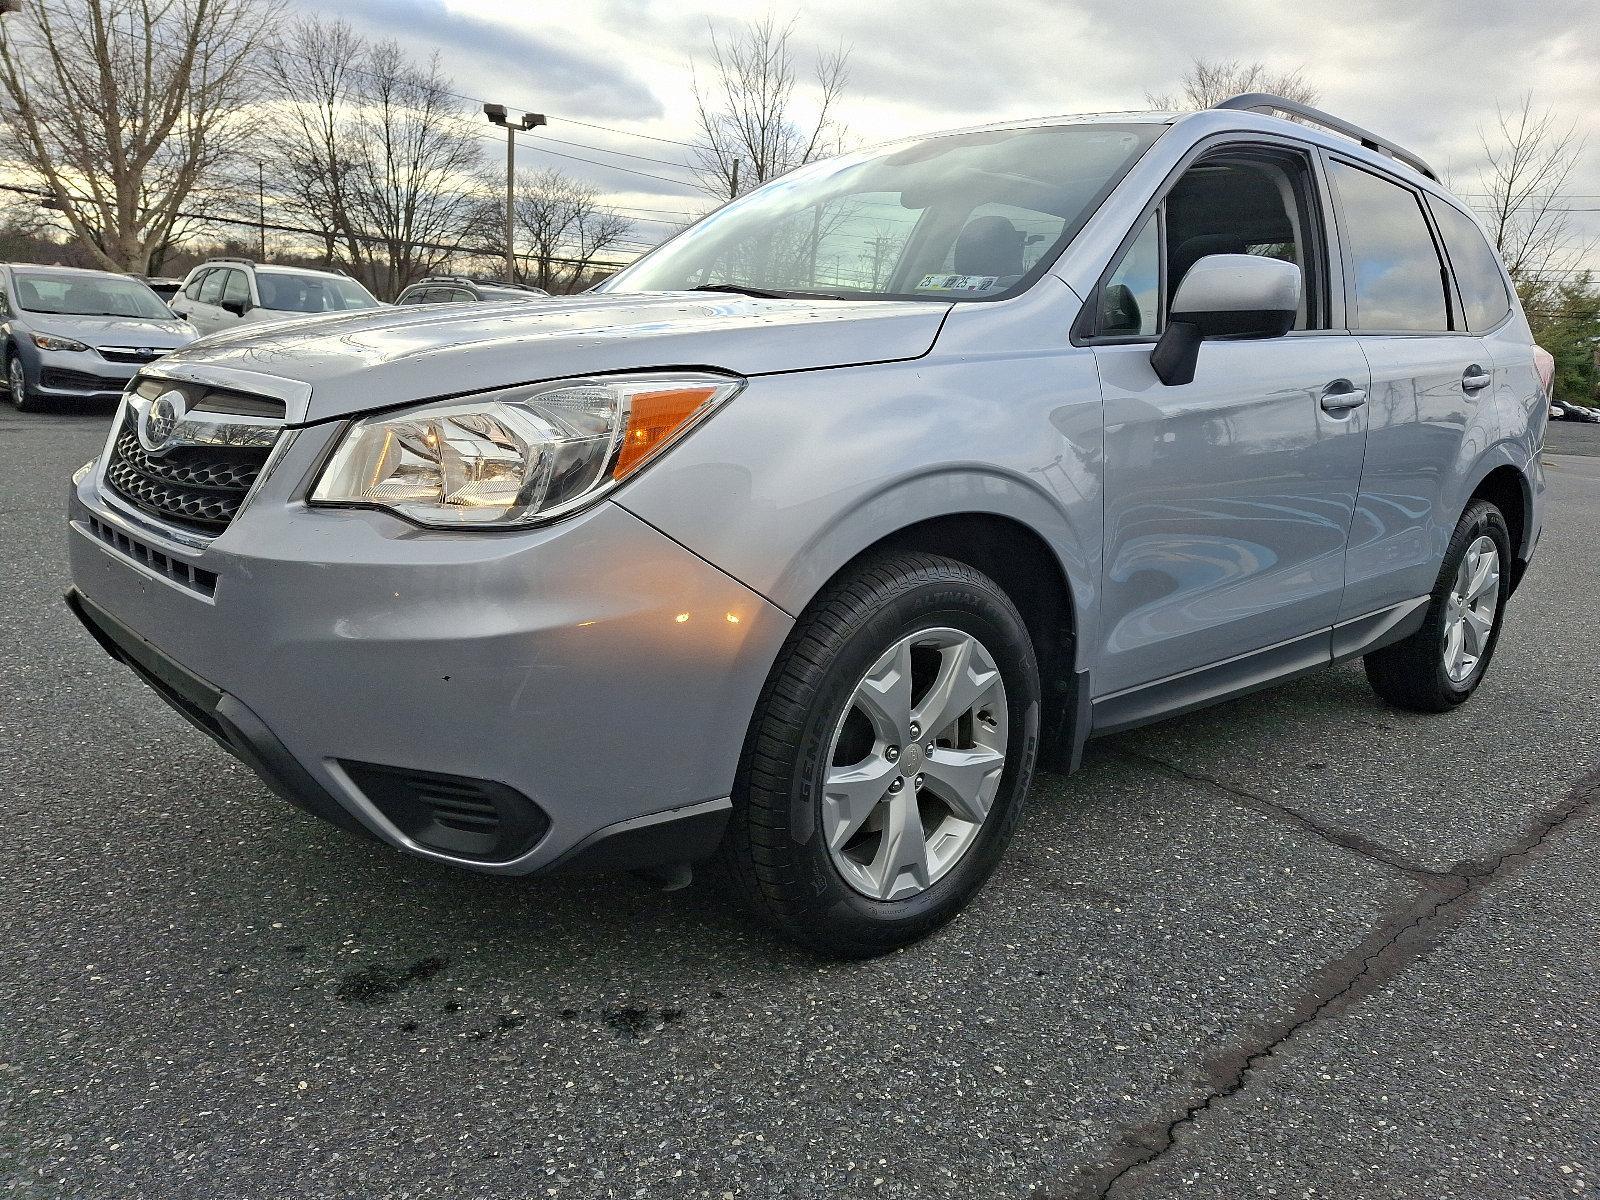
x=956, y=283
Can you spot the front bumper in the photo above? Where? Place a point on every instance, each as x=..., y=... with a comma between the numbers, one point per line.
x=594, y=667
x=77, y=374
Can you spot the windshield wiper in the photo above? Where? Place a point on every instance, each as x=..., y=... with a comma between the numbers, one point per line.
x=737, y=289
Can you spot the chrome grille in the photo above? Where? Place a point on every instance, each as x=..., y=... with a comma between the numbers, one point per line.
x=201, y=474
x=132, y=354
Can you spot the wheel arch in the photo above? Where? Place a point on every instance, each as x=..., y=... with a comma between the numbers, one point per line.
x=1031, y=573
x=1507, y=487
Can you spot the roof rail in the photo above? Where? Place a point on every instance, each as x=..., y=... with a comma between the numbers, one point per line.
x=1266, y=102
x=446, y=279
x=249, y=262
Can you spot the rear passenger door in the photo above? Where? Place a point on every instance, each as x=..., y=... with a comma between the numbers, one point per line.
x=1227, y=499
x=1430, y=409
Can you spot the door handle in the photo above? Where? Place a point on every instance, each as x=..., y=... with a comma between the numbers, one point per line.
x=1341, y=396
x=1475, y=379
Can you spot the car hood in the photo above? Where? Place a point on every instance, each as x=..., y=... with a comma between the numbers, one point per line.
x=113, y=331
x=334, y=365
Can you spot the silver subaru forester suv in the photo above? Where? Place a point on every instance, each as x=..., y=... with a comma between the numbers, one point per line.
x=798, y=543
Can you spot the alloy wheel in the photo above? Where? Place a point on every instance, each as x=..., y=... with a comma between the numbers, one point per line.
x=915, y=763
x=1470, y=609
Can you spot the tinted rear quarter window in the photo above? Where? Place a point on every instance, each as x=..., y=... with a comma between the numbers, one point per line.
x=1399, y=279
x=1477, y=267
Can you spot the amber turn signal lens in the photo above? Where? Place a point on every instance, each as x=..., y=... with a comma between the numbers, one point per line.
x=653, y=417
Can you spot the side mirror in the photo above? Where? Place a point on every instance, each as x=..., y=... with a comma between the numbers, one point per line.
x=237, y=307
x=1225, y=295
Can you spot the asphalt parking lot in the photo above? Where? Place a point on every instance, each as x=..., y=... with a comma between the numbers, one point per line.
x=1299, y=945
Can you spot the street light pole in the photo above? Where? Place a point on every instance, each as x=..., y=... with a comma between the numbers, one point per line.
x=497, y=116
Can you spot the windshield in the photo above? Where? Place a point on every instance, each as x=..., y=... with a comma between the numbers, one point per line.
x=289, y=292
x=972, y=216
x=88, y=296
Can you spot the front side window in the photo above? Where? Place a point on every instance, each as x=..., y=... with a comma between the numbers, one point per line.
x=957, y=217
x=88, y=296
x=1477, y=267
x=1247, y=200
x=1130, y=303
x=291, y=292
x=211, y=289
x=1399, y=279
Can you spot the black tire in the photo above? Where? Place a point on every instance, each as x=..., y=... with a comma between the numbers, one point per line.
x=23, y=400
x=774, y=850
x=1411, y=674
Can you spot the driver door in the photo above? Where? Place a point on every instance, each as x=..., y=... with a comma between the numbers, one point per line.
x=1228, y=499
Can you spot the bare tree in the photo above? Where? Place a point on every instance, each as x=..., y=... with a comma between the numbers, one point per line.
x=1209, y=82
x=314, y=75
x=563, y=227
x=1531, y=160
x=748, y=130
x=371, y=150
x=413, y=176
x=123, y=110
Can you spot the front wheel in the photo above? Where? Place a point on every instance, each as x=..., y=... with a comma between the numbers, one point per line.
x=17, y=386
x=886, y=763
x=1442, y=663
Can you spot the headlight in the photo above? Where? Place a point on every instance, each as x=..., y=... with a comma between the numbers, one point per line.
x=517, y=456
x=49, y=341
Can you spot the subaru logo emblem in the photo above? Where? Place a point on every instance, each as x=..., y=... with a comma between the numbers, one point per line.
x=158, y=421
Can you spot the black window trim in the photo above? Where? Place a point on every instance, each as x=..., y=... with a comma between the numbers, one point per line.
x=1453, y=312
x=1334, y=282
x=1429, y=199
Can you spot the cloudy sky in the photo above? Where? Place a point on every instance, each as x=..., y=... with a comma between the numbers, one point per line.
x=613, y=75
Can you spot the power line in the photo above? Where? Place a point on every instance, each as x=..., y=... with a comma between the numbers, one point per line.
x=445, y=247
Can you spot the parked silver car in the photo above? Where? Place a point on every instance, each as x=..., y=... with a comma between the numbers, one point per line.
x=71, y=334
x=804, y=538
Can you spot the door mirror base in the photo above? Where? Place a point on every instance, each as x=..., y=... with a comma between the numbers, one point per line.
x=1175, y=356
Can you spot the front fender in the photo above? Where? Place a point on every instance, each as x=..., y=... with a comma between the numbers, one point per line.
x=804, y=471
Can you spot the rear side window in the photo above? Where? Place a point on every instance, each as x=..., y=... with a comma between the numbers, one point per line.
x=193, y=289
x=415, y=296
x=1399, y=278
x=1477, y=267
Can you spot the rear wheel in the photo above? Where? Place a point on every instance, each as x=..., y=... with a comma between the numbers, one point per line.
x=887, y=759
x=1442, y=664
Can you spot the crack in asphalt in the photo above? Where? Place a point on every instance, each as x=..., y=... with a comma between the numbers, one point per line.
x=1344, y=839
x=1409, y=933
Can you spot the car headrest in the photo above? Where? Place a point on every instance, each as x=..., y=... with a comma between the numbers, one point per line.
x=989, y=246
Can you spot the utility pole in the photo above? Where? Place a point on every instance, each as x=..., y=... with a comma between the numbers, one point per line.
x=497, y=116
x=733, y=191
x=261, y=205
